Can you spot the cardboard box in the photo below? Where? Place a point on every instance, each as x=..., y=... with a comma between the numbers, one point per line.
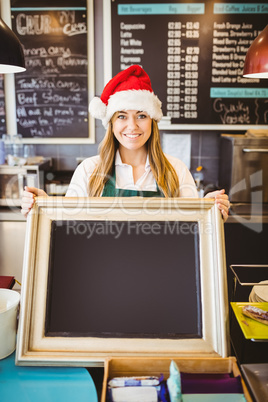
x=129, y=366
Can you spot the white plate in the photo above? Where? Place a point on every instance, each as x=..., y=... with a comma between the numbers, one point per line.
x=261, y=292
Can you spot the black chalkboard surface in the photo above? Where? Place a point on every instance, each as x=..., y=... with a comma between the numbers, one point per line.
x=124, y=279
x=52, y=94
x=194, y=53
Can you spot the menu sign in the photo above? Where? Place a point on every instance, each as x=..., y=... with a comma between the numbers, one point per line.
x=194, y=54
x=52, y=94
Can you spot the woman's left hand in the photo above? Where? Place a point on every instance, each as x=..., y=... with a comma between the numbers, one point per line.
x=222, y=202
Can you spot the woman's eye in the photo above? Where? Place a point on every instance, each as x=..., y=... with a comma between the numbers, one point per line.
x=142, y=116
x=121, y=116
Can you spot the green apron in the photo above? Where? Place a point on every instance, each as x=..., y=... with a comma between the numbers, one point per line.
x=110, y=191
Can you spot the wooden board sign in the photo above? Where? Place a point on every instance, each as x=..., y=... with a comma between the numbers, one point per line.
x=52, y=95
x=113, y=277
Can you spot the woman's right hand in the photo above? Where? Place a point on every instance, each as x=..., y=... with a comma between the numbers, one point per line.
x=28, y=198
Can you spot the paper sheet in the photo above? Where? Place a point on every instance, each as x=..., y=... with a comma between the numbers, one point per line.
x=134, y=394
x=179, y=146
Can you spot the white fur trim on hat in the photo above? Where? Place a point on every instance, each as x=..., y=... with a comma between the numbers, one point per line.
x=142, y=100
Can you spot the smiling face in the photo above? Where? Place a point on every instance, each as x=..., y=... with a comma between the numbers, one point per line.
x=132, y=129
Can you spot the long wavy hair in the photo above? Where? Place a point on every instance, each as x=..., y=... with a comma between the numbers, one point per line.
x=164, y=173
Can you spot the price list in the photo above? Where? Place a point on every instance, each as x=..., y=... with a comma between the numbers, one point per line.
x=2, y=107
x=182, y=70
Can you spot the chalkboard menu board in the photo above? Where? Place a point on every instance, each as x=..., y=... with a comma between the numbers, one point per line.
x=52, y=94
x=194, y=54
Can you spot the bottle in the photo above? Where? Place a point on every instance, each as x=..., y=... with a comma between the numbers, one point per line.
x=199, y=177
x=17, y=146
x=2, y=153
x=28, y=151
x=8, y=144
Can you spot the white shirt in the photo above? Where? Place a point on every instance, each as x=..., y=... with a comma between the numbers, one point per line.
x=124, y=177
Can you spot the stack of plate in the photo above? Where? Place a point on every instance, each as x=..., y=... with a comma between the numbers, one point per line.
x=259, y=293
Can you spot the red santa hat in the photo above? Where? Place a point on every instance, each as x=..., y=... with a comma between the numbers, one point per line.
x=129, y=90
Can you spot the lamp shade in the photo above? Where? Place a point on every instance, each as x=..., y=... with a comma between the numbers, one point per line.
x=256, y=62
x=11, y=52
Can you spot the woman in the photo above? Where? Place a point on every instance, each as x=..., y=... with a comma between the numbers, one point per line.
x=131, y=161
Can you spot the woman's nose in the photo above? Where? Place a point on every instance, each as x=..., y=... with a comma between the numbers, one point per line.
x=132, y=122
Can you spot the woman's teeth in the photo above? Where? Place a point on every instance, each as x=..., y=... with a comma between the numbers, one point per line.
x=132, y=135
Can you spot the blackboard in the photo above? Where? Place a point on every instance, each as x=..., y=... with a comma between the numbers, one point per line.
x=52, y=94
x=124, y=279
x=194, y=54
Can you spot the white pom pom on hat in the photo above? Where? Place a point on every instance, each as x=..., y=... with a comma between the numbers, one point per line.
x=97, y=108
x=129, y=90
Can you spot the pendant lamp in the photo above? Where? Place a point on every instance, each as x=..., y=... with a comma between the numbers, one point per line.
x=256, y=62
x=11, y=52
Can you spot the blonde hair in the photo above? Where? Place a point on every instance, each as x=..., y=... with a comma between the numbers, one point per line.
x=164, y=173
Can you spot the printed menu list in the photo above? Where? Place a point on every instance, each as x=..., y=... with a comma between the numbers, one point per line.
x=2, y=107
x=194, y=54
x=230, y=45
x=182, y=70
x=51, y=94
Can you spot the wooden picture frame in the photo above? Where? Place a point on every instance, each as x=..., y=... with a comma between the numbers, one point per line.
x=35, y=346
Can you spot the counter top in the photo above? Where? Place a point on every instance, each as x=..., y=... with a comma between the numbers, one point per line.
x=256, y=377
x=246, y=212
x=42, y=384
x=11, y=214
x=241, y=139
